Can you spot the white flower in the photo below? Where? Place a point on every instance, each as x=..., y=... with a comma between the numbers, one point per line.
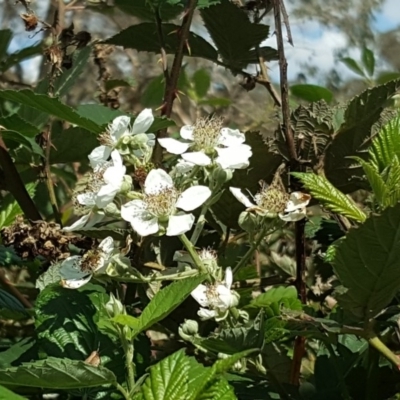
x=118, y=130
x=76, y=271
x=160, y=203
x=86, y=221
x=105, y=183
x=274, y=200
x=209, y=140
x=216, y=300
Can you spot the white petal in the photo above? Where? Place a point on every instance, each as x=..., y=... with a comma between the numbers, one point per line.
x=293, y=216
x=143, y=121
x=205, y=314
x=298, y=200
x=228, y=277
x=241, y=197
x=179, y=224
x=197, y=158
x=235, y=157
x=87, y=199
x=156, y=181
x=119, y=127
x=200, y=295
x=186, y=132
x=106, y=195
x=231, y=137
x=80, y=223
x=182, y=167
x=107, y=245
x=226, y=298
x=114, y=175
x=99, y=155
x=193, y=197
x=116, y=159
x=173, y=146
x=75, y=283
x=71, y=269
x=141, y=220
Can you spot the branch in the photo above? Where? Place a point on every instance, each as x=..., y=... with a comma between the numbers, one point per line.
x=15, y=185
x=172, y=83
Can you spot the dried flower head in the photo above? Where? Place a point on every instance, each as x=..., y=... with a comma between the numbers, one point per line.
x=30, y=20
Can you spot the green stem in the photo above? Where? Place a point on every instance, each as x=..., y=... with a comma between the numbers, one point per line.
x=193, y=253
x=130, y=365
x=384, y=350
x=200, y=224
x=122, y=391
x=252, y=249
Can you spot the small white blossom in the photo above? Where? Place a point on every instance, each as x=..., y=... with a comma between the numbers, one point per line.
x=106, y=183
x=160, y=203
x=118, y=131
x=86, y=221
x=76, y=271
x=273, y=200
x=216, y=300
x=209, y=141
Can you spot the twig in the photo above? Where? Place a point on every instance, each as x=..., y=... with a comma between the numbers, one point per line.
x=15, y=185
x=9, y=287
x=171, y=85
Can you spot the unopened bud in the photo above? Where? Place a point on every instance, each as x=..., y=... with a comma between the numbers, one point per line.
x=248, y=221
x=221, y=175
x=190, y=327
x=126, y=184
x=111, y=210
x=114, y=306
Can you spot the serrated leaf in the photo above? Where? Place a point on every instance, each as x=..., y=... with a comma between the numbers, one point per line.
x=363, y=118
x=329, y=196
x=219, y=390
x=279, y=295
x=20, y=55
x=368, y=59
x=55, y=373
x=144, y=37
x=50, y=106
x=386, y=145
x=366, y=263
x=166, y=300
x=10, y=208
x=72, y=145
x=168, y=379
x=353, y=65
x=222, y=366
x=51, y=276
x=6, y=394
x=311, y=93
x=227, y=33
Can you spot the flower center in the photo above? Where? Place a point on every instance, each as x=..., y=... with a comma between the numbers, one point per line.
x=91, y=260
x=273, y=199
x=105, y=139
x=206, y=133
x=162, y=203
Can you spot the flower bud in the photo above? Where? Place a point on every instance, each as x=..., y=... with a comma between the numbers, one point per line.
x=114, y=306
x=221, y=175
x=126, y=185
x=190, y=327
x=111, y=210
x=248, y=221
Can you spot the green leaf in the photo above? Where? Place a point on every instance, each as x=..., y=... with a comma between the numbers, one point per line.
x=366, y=263
x=72, y=145
x=6, y=394
x=222, y=366
x=5, y=39
x=166, y=300
x=219, y=390
x=55, y=373
x=116, y=83
x=50, y=106
x=66, y=80
x=168, y=379
x=280, y=295
x=10, y=208
x=330, y=197
x=143, y=9
x=226, y=24
x=20, y=55
x=49, y=277
x=353, y=65
x=363, y=119
x=368, y=59
x=385, y=77
x=144, y=37
x=201, y=81
x=376, y=181
x=311, y=93
x=386, y=145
